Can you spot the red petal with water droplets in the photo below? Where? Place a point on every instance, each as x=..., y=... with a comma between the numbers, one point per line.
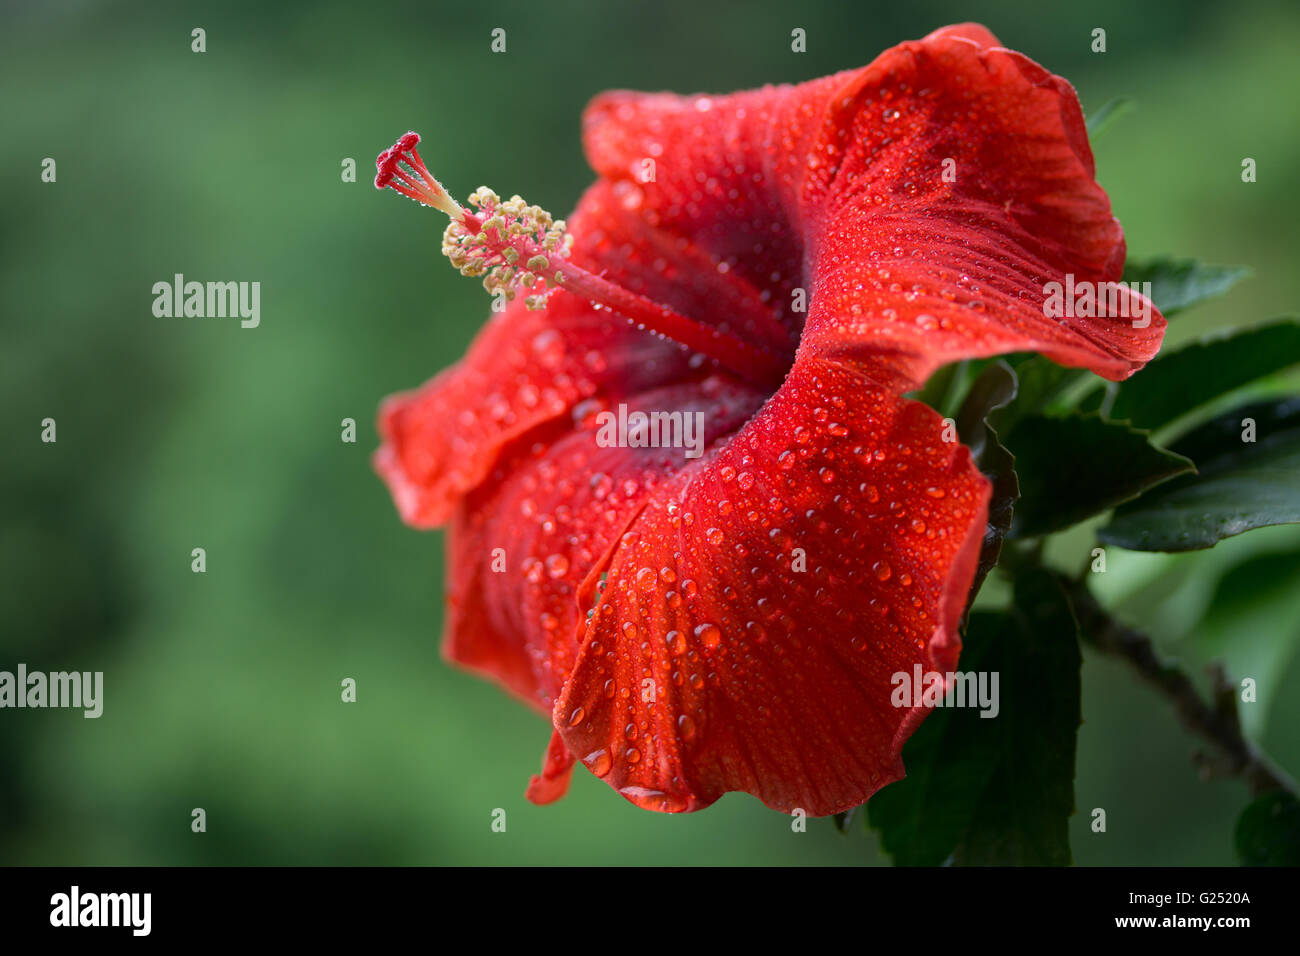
x=524, y=370
x=898, y=260
x=758, y=607
x=523, y=547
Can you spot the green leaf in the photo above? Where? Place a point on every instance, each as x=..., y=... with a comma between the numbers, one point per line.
x=1197, y=374
x=1178, y=284
x=942, y=390
x=995, y=791
x=1076, y=466
x=1239, y=485
x=1100, y=121
x=1043, y=387
x=1268, y=831
x=994, y=389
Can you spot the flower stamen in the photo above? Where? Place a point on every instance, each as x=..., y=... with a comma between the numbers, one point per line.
x=520, y=249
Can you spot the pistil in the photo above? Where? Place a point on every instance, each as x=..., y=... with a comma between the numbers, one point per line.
x=520, y=249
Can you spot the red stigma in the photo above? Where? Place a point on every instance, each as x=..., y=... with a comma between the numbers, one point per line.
x=401, y=168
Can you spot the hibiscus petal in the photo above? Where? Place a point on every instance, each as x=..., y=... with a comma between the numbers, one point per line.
x=713, y=664
x=524, y=545
x=557, y=767
x=948, y=270
x=898, y=260
x=524, y=369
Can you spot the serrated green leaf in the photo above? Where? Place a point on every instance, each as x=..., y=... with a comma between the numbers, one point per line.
x=1196, y=375
x=1076, y=466
x=1178, y=284
x=1239, y=485
x=996, y=791
x=1268, y=831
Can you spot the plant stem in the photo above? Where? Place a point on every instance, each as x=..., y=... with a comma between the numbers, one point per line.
x=1216, y=722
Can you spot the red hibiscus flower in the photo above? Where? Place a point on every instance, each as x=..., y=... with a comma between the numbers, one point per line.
x=732, y=621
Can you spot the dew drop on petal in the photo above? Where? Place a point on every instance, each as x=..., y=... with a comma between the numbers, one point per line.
x=686, y=727
x=548, y=346
x=598, y=762
x=708, y=634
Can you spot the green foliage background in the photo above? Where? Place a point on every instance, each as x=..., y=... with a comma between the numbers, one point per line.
x=222, y=689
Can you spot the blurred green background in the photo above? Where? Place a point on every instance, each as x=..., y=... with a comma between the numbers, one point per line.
x=222, y=689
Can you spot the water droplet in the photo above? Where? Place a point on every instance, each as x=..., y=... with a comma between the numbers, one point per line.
x=598, y=762
x=708, y=634
x=548, y=346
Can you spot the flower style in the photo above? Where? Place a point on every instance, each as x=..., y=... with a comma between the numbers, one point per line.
x=732, y=622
